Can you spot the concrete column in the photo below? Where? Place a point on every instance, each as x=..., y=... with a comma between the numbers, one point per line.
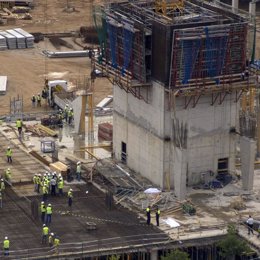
x=252, y=8
x=247, y=155
x=154, y=255
x=235, y=5
x=180, y=172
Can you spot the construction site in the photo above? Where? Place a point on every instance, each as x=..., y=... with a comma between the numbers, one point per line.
x=158, y=103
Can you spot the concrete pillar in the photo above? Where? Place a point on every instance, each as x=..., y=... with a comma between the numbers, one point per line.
x=180, y=172
x=235, y=5
x=154, y=255
x=252, y=8
x=247, y=155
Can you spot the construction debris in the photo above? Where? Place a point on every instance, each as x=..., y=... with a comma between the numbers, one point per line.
x=238, y=204
x=65, y=54
x=40, y=130
x=105, y=131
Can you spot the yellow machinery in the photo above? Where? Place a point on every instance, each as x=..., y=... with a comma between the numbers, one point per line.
x=163, y=6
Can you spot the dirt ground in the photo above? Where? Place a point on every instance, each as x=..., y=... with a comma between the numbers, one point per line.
x=26, y=69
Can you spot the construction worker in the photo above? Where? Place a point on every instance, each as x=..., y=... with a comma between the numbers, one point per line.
x=148, y=215
x=38, y=181
x=45, y=192
x=45, y=233
x=250, y=224
x=70, y=196
x=60, y=185
x=66, y=111
x=70, y=116
x=48, y=214
x=56, y=243
x=78, y=171
x=39, y=100
x=35, y=182
x=51, y=239
x=43, y=211
x=8, y=175
x=2, y=185
x=33, y=99
x=19, y=124
x=53, y=186
x=1, y=200
x=9, y=154
x=6, y=246
x=157, y=215
x=60, y=117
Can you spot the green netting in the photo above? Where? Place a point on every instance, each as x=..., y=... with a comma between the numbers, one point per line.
x=99, y=18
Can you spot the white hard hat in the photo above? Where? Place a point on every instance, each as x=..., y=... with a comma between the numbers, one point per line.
x=49, y=204
x=2, y=179
x=71, y=108
x=78, y=162
x=8, y=169
x=52, y=234
x=46, y=172
x=42, y=202
x=8, y=147
x=6, y=237
x=43, y=225
x=71, y=189
x=66, y=105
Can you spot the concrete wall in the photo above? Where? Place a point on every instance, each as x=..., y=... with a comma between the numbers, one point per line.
x=146, y=129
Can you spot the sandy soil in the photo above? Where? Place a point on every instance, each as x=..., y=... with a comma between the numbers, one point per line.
x=26, y=69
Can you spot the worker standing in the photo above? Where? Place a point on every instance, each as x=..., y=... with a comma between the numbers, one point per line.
x=43, y=211
x=45, y=191
x=51, y=239
x=53, y=186
x=9, y=154
x=70, y=116
x=33, y=99
x=2, y=186
x=48, y=214
x=148, y=215
x=35, y=182
x=60, y=185
x=78, y=171
x=66, y=111
x=250, y=224
x=70, y=196
x=45, y=233
x=157, y=215
x=6, y=246
x=8, y=175
x=39, y=100
x=19, y=125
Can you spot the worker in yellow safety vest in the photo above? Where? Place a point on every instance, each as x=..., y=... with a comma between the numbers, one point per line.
x=9, y=154
x=148, y=215
x=48, y=214
x=157, y=215
x=19, y=124
x=6, y=246
x=51, y=239
x=8, y=175
x=2, y=185
x=60, y=185
x=45, y=233
x=43, y=211
x=70, y=116
x=70, y=196
x=78, y=171
x=56, y=243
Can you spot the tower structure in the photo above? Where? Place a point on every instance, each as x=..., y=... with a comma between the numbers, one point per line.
x=178, y=76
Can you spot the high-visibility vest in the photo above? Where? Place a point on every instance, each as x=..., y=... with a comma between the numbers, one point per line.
x=78, y=168
x=50, y=239
x=39, y=98
x=35, y=179
x=7, y=174
x=19, y=123
x=158, y=212
x=43, y=208
x=148, y=210
x=70, y=195
x=45, y=231
x=6, y=244
x=60, y=184
x=56, y=242
x=49, y=210
x=70, y=113
x=9, y=152
x=44, y=190
x=2, y=186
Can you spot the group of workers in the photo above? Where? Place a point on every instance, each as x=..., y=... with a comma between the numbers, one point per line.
x=67, y=114
x=53, y=239
x=37, y=99
x=148, y=215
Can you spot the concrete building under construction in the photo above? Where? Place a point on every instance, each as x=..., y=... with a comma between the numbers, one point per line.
x=179, y=71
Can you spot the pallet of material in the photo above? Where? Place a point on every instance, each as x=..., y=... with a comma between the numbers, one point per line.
x=59, y=167
x=20, y=39
x=3, y=84
x=10, y=39
x=3, y=44
x=29, y=39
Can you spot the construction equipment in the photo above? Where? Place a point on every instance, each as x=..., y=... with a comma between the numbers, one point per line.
x=163, y=6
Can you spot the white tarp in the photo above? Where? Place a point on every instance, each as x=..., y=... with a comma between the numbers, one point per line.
x=171, y=222
x=3, y=84
x=152, y=191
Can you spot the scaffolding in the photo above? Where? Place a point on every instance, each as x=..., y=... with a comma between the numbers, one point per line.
x=190, y=47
